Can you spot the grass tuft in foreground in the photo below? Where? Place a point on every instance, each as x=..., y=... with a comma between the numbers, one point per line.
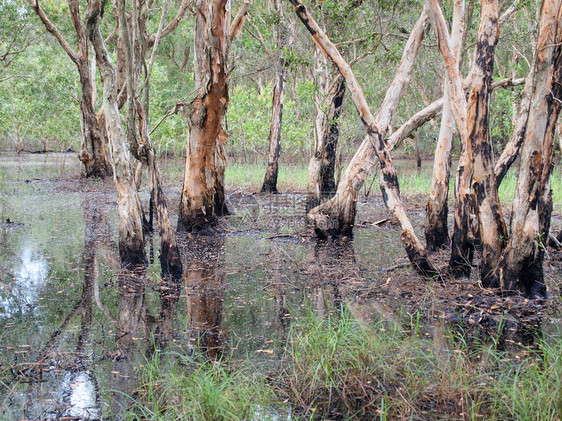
x=339, y=368
x=199, y=390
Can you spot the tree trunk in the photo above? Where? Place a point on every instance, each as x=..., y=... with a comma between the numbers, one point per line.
x=270, y=180
x=93, y=154
x=321, y=168
x=221, y=208
x=336, y=217
x=197, y=203
x=521, y=266
x=437, y=209
x=462, y=251
x=170, y=261
x=131, y=241
x=491, y=225
x=390, y=189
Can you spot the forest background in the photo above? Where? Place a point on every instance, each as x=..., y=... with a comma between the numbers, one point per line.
x=40, y=89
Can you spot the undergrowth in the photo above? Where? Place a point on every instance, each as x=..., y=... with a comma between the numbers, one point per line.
x=338, y=368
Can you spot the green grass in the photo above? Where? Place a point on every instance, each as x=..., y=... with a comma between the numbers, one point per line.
x=293, y=177
x=187, y=389
x=250, y=177
x=340, y=368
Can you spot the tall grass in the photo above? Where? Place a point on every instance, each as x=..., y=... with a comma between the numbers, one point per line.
x=188, y=389
x=339, y=368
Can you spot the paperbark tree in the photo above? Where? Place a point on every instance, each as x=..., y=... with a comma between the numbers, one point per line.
x=437, y=209
x=283, y=40
x=141, y=145
x=321, y=168
x=491, y=225
x=376, y=129
x=204, y=170
x=197, y=207
x=131, y=240
x=336, y=216
x=93, y=154
x=221, y=209
x=521, y=267
x=462, y=251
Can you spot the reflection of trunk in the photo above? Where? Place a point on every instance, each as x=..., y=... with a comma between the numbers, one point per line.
x=376, y=143
x=131, y=241
x=321, y=168
x=337, y=216
x=521, y=266
x=131, y=335
x=491, y=226
x=437, y=210
x=270, y=181
x=205, y=117
x=205, y=281
x=169, y=291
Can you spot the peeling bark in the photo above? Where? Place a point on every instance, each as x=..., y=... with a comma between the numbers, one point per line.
x=462, y=247
x=270, y=180
x=491, y=225
x=93, y=153
x=321, y=168
x=207, y=110
x=131, y=241
x=336, y=216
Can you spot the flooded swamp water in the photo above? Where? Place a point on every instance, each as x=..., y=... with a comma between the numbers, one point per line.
x=74, y=331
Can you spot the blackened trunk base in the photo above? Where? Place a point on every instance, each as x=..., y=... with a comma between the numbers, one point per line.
x=197, y=222
x=436, y=231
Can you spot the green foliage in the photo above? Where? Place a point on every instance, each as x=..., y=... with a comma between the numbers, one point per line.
x=249, y=119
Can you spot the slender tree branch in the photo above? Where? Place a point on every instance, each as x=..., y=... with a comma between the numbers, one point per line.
x=54, y=31
x=239, y=19
x=184, y=6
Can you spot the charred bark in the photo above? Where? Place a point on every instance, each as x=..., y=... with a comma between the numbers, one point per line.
x=336, y=216
x=462, y=251
x=521, y=266
x=491, y=225
x=321, y=169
